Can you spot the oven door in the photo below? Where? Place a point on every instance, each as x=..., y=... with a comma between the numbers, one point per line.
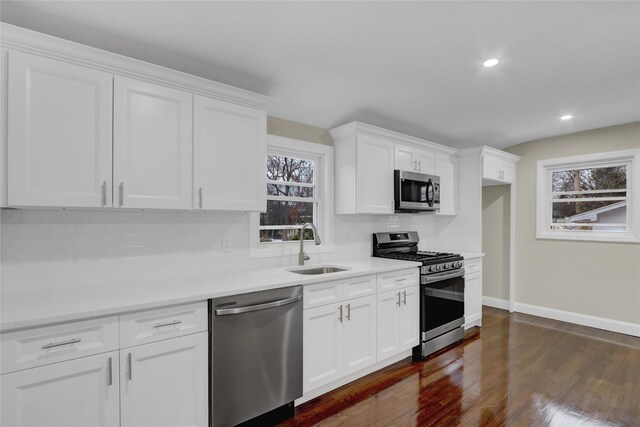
x=442, y=303
x=414, y=191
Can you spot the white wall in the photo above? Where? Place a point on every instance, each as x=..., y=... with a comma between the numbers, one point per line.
x=599, y=279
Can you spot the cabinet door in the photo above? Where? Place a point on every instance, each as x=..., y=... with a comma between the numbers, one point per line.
x=81, y=392
x=409, y=318
x=359, y=334
x=374, y=175
x=59, y=133
x=405, y=158
x=472, y=299
x=229, y=156
x=388, y=304
x=322, y=345
x=426, y=161
x=165, y=383
x=446, y=169
x=152, y=146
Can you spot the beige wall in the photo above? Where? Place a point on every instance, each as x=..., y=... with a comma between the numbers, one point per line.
x=496, y=209
x=595, y=278
x=296, y=130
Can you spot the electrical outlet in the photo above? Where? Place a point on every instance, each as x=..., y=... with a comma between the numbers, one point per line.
x=226, y=244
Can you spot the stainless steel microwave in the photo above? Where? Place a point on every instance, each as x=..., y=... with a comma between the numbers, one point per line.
x=416, y=192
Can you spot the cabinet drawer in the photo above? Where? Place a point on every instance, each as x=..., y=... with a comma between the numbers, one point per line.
x=359, y=287
x=155, y=325
x=398, y=279
x=472, y=266
x=322, y=294
x=50, y=344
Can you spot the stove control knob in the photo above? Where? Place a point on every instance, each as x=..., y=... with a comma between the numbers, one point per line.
x=439, y=267
x=447, y=266
x=459, y=264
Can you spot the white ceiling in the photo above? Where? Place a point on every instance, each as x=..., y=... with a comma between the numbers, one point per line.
x=413, y=67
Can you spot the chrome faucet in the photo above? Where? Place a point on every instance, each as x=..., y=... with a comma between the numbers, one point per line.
x=302, y=256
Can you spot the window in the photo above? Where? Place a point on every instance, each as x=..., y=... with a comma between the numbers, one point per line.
x=297, y=176
x=592, y=197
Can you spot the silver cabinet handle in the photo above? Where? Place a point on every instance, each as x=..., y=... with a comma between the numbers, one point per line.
x=340, y=315
x=349, y=311
x=109, y=373
x=404, y=297
x=200, y=197
x=256, y=307
x=129, y=369
x=420, y=165
x=398, y=302
x=121, y=194
x=103, y=193
x=415, y=165
x=58, y=344
x=162, y=325
x=401, y=279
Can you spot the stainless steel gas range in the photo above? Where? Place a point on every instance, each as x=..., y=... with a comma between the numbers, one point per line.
x=441, y=289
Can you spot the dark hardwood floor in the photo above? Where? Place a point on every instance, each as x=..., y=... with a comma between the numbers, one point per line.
x=519, y=370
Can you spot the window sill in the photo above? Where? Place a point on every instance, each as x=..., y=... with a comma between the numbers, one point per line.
x=599, y=237
x=287, y=249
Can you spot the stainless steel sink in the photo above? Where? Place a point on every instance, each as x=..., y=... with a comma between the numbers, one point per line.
x=319, y=270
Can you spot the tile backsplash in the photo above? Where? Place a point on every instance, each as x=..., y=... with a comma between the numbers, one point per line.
x=52, y=249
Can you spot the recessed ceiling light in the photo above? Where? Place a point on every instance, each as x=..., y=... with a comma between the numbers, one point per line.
x=566, y=117
x=490, y=62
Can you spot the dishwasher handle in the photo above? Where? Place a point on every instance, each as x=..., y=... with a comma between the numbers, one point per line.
x=257, y=307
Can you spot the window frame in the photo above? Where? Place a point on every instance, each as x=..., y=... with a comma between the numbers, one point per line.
x=545, y=168
x=322, y=155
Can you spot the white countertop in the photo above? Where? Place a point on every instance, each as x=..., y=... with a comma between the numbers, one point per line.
x=471, y=255
x=31, y=309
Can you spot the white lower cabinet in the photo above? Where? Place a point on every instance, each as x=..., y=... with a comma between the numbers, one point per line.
x=398, y=327
x=81, y=392
x=338, y=339
x=346, y=337
x=51, y=378
x=473, y=293
x=165, y=383
x=359, y=334
x=322, y=348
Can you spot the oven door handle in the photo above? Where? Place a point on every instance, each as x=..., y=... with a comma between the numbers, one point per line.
x=441, y=276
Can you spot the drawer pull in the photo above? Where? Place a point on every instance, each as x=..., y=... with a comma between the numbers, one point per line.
x=109, y=372
x=58, y=344
x=401, y=279
x=162, y=325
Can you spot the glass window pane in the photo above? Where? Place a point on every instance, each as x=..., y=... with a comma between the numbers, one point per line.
x=609, y=178
x=289, y=190
x=589, y=195
x=282, y=168
x=589, y=212
x=287, y=213
x=284, y=235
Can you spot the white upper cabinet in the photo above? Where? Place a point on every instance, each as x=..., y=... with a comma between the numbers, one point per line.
x=447, y=170
x=229, y=156
x=363, y=172
x=152, y=146
x=498, y=167
x=374, y=166
x=414, y=159
x=59, y=133
x=365, y=158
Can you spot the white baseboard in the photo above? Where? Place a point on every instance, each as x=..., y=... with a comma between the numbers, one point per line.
x=496, y=302
x=627, y=328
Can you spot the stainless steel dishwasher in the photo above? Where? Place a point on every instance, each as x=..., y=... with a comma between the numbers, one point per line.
x=256, y=354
